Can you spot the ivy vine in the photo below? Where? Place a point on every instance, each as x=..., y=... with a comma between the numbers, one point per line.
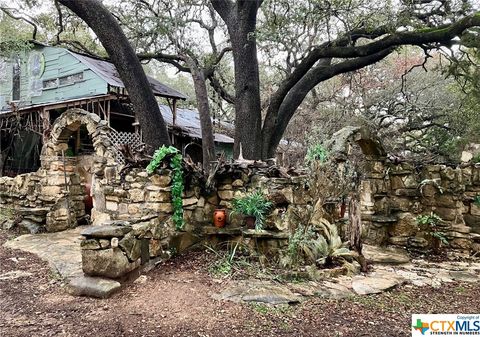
x=177, y=180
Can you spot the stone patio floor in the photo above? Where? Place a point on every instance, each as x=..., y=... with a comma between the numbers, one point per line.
x=62, y=251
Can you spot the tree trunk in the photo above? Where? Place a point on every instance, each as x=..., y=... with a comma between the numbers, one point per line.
x=110, y=34
x=241, y=20
x=201, y=93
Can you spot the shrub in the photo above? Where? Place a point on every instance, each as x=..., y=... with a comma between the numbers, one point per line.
x=321, y=245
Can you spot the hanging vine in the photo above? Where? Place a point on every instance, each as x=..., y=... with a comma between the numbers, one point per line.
x=177, y=179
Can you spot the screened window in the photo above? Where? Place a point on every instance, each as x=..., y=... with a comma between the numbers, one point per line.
x=70, y=79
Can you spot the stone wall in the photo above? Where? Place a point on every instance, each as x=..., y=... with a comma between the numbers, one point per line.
x=51, y=199
x=394, y=197
x=133, y=211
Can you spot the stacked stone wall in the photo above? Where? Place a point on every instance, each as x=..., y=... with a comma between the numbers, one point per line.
x=394, y=197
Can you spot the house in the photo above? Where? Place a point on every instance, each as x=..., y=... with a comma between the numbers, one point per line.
x=39, y=85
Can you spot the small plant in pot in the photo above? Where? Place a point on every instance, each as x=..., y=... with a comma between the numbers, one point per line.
x=254, y=207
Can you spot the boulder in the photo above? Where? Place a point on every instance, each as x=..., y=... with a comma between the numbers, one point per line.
x=376, y=283
x=259, y=292
x=92, y=286
x=112, y=263
x=379, y=255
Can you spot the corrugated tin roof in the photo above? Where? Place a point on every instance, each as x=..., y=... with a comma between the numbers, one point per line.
x=109, y=74
x=188, y=120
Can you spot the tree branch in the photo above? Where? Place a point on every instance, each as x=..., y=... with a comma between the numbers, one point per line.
x=28, y=20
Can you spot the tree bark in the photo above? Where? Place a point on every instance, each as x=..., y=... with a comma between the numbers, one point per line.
x=110, y=34
x=241, y=19
x=201, y=93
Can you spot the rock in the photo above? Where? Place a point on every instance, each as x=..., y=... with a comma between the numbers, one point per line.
x=463, y=276
x=182, y=241
x=225, y=195
x=8, y=224
x=461, y=229
x=142, y=279
x=136, y=195
x=460, y=243
x=190, y=201
x=406, y=225
x=398, y=240
x=29, y=226
x=466, y=156
x=106, y=231
x=90, y=244
x=375, y=254
x=237, y=183
x=161, y=180
x=131, y=246
x=111, y=263
x=92, y=286
x=260, y=293
x=14, y=274
x=333, y=291
x=376, y=283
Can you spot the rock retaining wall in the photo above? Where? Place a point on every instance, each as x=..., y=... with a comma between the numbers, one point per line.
x=51, y=199
x=395, y=195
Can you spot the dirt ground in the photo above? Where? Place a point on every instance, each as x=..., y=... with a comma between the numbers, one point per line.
x=175, y=300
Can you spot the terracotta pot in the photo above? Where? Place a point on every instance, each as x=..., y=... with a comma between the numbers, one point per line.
x=250, y=221
x=219, y=218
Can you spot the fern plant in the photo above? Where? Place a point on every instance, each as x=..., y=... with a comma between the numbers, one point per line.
x=177, y=180
x=254, y=204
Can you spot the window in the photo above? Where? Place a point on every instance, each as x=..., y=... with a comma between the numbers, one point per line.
x=16, y=79
x=70, y=79
x=49, y=84
x=62, y=81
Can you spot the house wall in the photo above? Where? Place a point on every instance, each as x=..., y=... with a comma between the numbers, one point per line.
x=58, y=62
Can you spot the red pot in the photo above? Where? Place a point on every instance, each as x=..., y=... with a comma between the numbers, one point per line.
x=219, y=218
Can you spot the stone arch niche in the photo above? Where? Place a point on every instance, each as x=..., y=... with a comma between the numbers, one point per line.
x=373, y=186
x=71, y=177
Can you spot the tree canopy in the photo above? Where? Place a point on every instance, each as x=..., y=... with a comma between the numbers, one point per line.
x=268, y=59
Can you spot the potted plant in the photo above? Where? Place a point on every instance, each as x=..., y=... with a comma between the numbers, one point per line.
x=254, y=207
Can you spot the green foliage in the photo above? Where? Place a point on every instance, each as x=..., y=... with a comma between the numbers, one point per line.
x=433, y=221
x=253, y=204
x=316, y=152
x=476, y=158
x=320, y=245
x=7, y=213
x=177, y=180
x=12, y=47
x=227, y=262
x=476, y=200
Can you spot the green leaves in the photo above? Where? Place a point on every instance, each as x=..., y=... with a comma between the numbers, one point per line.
x=316, y=153
x=177, y=180
x=433, y=221
x=254, y=204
